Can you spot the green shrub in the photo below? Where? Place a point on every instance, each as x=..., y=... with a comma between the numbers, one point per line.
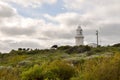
x=64, y=48
x=60, y=70
x=56, y=70
x=8, y=73
x=116, y=45
x=34, y=73
x=78, y=49
x=101, y=69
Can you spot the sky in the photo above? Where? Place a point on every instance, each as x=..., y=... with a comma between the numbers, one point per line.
x=43, y=23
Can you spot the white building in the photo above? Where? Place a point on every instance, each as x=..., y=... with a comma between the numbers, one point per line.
x=79, y=38
x=92, y=45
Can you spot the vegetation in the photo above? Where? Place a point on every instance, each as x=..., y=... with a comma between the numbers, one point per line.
x=56, y=70
x=62, y=63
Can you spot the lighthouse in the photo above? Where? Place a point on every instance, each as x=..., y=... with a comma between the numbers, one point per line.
x=79, y=38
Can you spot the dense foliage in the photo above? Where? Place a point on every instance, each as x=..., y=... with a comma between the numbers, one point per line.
x=62, y=63
x=56, y=70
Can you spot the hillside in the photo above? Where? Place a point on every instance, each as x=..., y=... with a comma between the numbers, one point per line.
x=62, y=63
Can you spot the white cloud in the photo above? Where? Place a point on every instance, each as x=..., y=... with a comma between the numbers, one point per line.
x=91, y=5
x=100, y=18
x=70, y=20
x=18, y=31
x=95, y=8
x=32, y=3
x=6, y=10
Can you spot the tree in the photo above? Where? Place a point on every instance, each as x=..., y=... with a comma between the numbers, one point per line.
x=54, y=47
x=116, y=45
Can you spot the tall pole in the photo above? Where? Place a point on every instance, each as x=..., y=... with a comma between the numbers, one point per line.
x=97, y=38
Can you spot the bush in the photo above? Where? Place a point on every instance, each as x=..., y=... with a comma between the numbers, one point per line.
x=78, y=49
x=89, y=53
x=56, y=70
x=101, y=69
x=34, y=73
x=8, y=73
x=116, y=45
x=60, y=70
x=64, y=48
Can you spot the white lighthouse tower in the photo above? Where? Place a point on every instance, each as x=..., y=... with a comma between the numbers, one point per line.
x=79, y=38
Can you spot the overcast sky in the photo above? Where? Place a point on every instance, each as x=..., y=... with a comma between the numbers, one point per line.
x=43, y=23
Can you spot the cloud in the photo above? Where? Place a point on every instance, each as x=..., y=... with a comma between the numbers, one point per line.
x=7, y=45
x=100, y=11
x=18, y=25
x=32, y=3
x=87, y=4
x=11, y=31
x=108, y=31
x=68, y=18
x=34, y=31
x=13, y=24
x=101, y=15
x=6, y=10
x=18, y=31
x=90, y=23
x=72, y=19
x=25, y=44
